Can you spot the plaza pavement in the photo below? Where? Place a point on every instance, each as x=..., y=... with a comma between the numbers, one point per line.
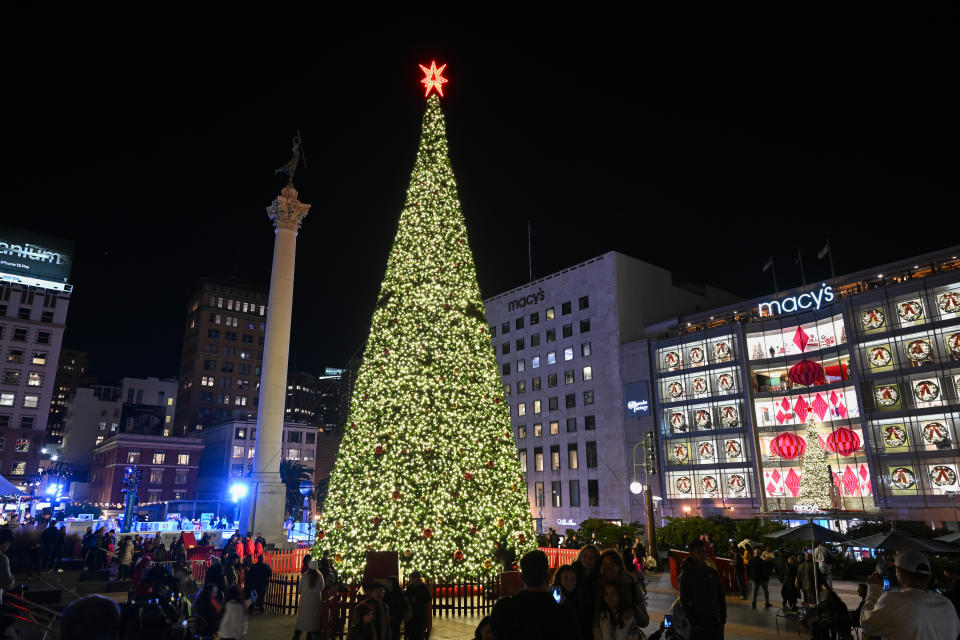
x=743, y=622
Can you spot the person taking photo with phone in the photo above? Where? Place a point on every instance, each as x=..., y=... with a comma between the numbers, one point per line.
x=914, y=612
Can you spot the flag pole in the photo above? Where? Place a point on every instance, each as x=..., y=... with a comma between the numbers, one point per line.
x=530, y=249
x=803, y=277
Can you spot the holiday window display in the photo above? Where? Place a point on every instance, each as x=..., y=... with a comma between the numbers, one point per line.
x=873, y=318
x=702, y=418
x=903, y=478
x=683, y=484
x=729, y=416
x=733, y=449
x=696, y=355
x=681, y=453
x=708, y=484
x=919, y=350
x=952, y=342
x=678, y=421
x=736, y=483
x=699, y=385
x=725, y=382
x=910, y=310
x=935, y=432
x=706, y=450
x=671, y=359
x=721, y=351
x=815, y=478
x=675, y=389
x=926, y=390
x=843, y=441
x=894, y=436
x=943, y=475
x=880, y=356
x=887, y=395
x=949, y=301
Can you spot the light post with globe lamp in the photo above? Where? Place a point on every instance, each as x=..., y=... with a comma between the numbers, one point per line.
x=649, y=465
x=306, y=488
x=238, y=491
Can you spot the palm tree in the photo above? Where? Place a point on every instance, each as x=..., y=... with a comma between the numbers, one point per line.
x=292, y=473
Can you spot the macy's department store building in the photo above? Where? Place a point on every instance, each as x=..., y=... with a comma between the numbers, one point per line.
x=882, y=363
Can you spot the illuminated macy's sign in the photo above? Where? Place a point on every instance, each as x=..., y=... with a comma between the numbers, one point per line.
x=809, y=300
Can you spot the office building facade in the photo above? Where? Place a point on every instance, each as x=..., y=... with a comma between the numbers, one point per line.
x=222, y=354
x=34, y=298
x=568, y=381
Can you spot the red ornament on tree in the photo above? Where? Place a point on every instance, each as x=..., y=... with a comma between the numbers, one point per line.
x=806, y=372
x=522, y=538
x=473, y=530
x=379, y=450
x=496, y=401
x=843, y=441
x=467, y=476
x=376, y=520
x=428, y=533
x=321, y=534
x=788, y=446
x=458, y=555
x=396, y=494
x=489, y=464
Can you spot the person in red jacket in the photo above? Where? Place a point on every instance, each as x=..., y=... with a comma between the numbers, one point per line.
x=248, y=547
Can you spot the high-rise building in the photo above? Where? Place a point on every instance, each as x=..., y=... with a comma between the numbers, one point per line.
x=567, y=380
x=222, y=354
x=34, y=296
x=314, y=399
x=73, y=372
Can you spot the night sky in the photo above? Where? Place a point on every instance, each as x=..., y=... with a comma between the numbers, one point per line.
x=703, y=150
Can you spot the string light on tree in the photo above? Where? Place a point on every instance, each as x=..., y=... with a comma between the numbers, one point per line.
x=427, y=466
x=815, y=478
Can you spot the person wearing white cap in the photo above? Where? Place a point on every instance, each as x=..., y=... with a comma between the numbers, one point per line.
x=915, y=612
x=309, y=618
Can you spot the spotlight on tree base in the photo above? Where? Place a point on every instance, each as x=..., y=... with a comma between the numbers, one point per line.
x=636, y=487
x=238, y=491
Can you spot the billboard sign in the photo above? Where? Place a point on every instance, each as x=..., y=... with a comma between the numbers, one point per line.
x=636, y=398
x=31, y=256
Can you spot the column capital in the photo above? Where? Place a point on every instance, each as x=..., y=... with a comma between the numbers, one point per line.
x=287, y=212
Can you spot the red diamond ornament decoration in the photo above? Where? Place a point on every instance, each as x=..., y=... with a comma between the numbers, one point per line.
x=834, y=398
x=781, y=416
x=801, y=408
x=820, y=406
x=793, y=482
x=785, y=404
x=775, y=475
x=800, y=338
x=842, y=410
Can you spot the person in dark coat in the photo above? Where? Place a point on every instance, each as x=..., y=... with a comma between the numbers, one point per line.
x=779, y=564
x=396, y=605
x=206, y=606
x=587, y=566
x=255, y=585
x=48, y=542
x=788, y=590
x=418, y=594
x=215, y=575
x=760, y=576
x=533, y=614
x=701, y=595
x=60, y=546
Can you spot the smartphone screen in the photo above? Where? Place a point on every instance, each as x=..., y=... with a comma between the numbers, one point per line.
x=556, y=594
x=667, y=622
x=886, y=583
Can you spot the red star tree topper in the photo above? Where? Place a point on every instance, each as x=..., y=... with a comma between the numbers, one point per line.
x=433, y=78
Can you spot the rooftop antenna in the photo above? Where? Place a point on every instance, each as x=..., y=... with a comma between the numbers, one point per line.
x=530, y=249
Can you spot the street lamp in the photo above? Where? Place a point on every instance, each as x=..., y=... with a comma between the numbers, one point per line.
x=238, y=491
x=306, y=488
x=649, y=465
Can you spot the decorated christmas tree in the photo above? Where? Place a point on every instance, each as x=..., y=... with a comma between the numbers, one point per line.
x=427, y=466
x=815, y=477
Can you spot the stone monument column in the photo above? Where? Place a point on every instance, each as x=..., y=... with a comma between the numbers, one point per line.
x=263, y=509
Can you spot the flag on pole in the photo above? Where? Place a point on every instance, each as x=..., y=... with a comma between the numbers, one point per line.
x=824, y=251
x=769, y=264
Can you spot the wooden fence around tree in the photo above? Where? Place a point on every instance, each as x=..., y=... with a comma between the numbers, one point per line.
x=461, y=598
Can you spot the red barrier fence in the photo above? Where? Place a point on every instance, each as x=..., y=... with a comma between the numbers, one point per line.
x=724, y=566
x=560, y=557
